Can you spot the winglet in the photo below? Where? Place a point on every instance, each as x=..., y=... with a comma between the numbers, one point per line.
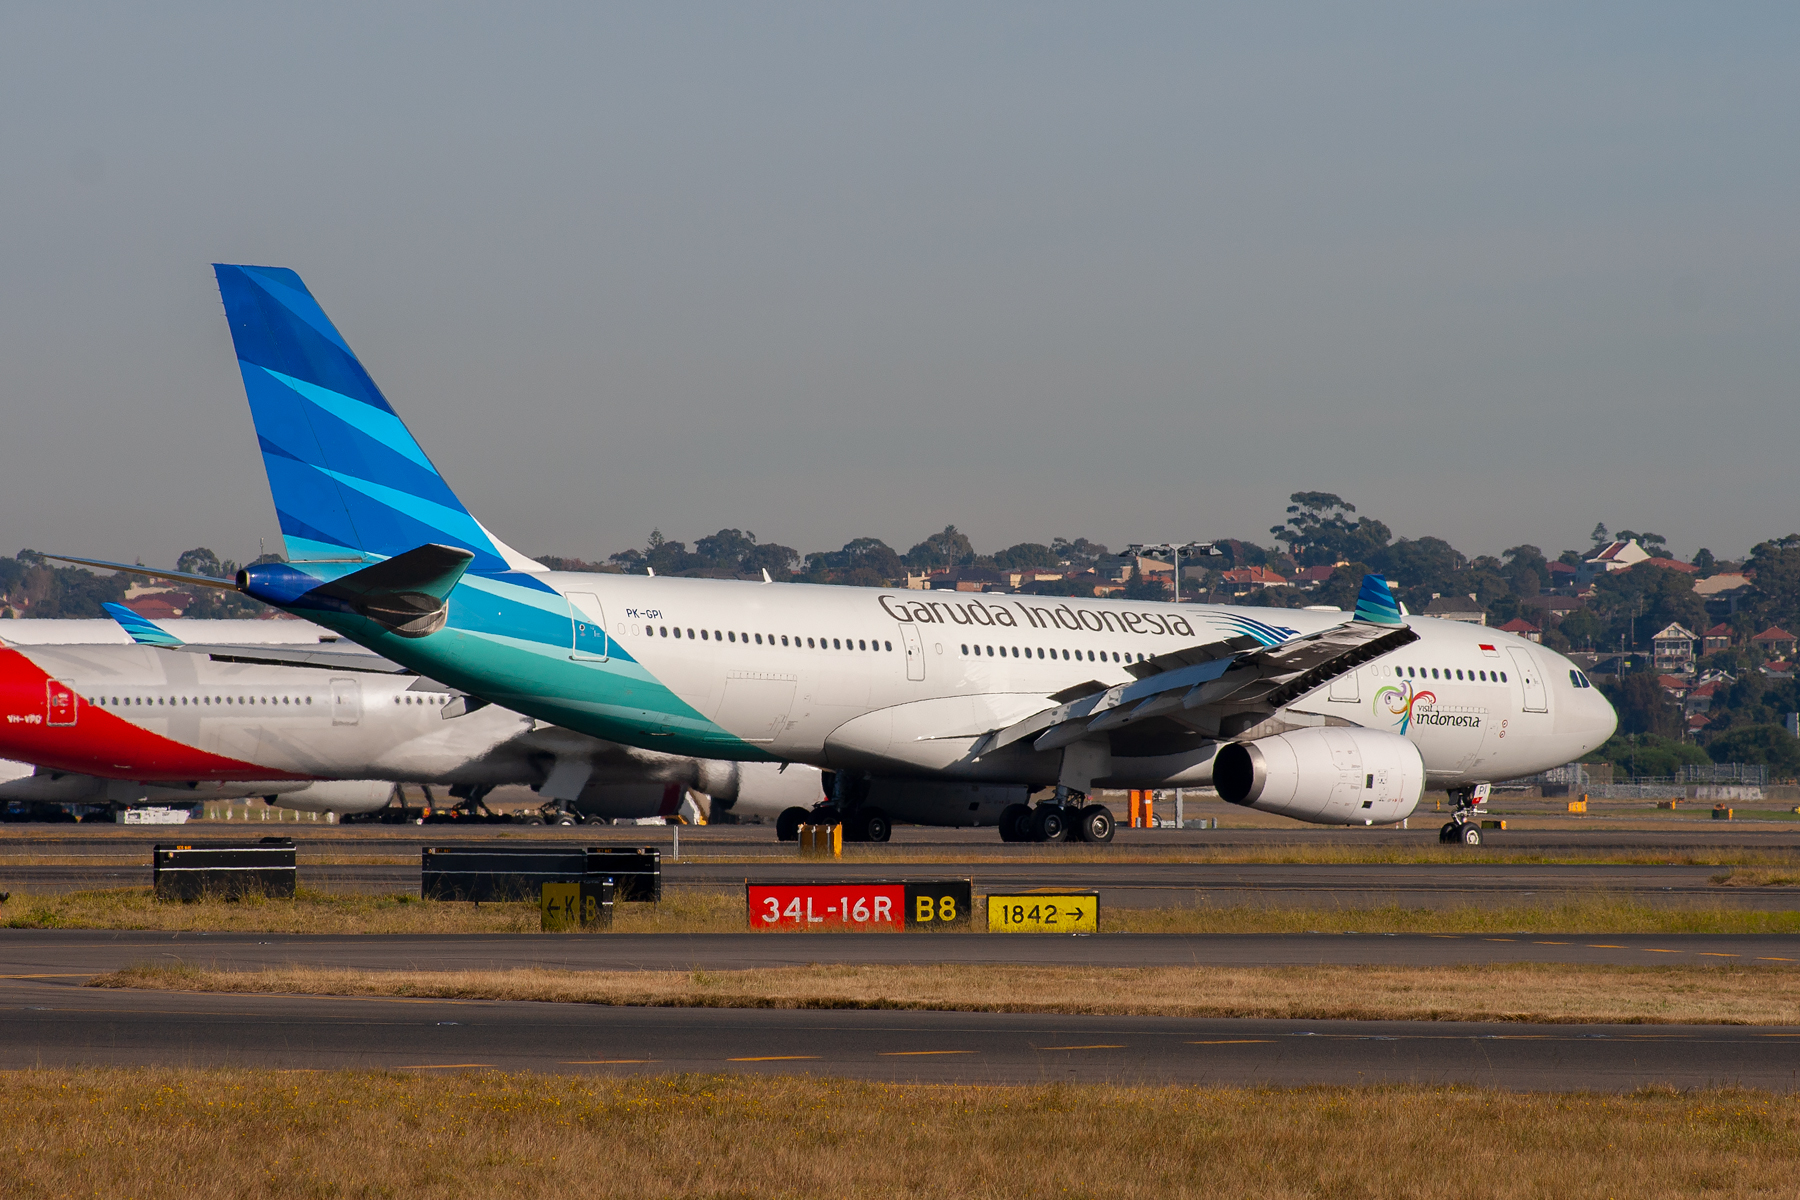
x=142, y=629
x=1375, y=603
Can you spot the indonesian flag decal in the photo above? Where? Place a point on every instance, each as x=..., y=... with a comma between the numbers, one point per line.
x=1489, y=650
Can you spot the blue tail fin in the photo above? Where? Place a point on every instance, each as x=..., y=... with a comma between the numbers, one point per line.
x=143, y=630
x=1375, y=603
x=349, y=480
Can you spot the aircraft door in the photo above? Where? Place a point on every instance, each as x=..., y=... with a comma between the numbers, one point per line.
x=1536, y=699
x=61, y=703
x=346, y=702
x=915, y=651
x=1344, y=688
x=588, y=631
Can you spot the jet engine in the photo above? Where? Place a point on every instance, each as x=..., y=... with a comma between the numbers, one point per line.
x=1329, y=776
x=758, y=789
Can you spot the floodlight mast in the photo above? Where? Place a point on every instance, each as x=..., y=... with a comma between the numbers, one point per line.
x=1176, y=549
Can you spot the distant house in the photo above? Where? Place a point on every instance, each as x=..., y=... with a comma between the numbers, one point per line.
x=1716, y=639
x=1675, y=685
x=1614, y=556
x=1457, y=608
x=1697, y=722
x=1774, y=641
x=162, y=606
x=1311, y=577
x=1673, y=649
x=1523, y=628
x=1562, y=575
x=1250, y=579
x=1554, y=608
x=1699, y=699
x=1782, y=669
x=1671, y=564
x=1722, y=593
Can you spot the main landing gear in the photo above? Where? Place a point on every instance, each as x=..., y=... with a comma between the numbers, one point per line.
x=1467, y=806
x=864, y=823
x=1059, y=820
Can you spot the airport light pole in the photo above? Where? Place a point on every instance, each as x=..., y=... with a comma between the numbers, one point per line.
x=1176, y=549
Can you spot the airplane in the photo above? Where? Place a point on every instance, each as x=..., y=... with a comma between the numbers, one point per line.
x=317, y=728
x=927, y=709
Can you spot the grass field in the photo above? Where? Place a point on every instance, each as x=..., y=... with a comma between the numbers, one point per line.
x=697, y=911
x=1736, y=994
x=197, y=1135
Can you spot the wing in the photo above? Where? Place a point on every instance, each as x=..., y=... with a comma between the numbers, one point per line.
x=1218, y=689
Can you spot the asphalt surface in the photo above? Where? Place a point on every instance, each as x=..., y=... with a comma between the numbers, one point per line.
x=72, y=955
x=49, y=1024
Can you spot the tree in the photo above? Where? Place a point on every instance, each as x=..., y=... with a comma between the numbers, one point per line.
x=1708, y=565
x=201, y=561
x=1642, y=706
x=1078, y=552
x=1319, y=531
x=1140, y=588
x=1026, y=556
x=1600, y=536
x=1770, y=745
x=947, y=549
x=1526, y=570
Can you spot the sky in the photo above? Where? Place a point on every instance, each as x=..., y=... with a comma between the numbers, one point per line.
x=1492, y=272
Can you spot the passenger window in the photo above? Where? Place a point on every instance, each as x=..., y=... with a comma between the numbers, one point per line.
x=731, y=637
x=665, y=631
x=1503, y=677
x=888, y=645
x=965, y=651
x=835, y=645
x=862, y=645
x=1434, y=673
x=809, y=644
x=716, y=636
x=1459, y=673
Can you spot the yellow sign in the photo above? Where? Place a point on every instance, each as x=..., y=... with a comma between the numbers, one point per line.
x=559, y=907
x=821, y=841
x=1044, y=912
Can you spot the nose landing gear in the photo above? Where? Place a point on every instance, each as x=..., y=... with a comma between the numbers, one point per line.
x=1468, y=805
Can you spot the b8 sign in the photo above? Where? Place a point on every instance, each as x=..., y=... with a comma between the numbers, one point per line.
x=858, y=905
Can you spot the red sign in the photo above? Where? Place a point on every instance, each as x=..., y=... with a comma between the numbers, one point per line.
x=808, y=906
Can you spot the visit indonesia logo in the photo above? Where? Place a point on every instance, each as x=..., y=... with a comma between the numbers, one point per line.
x=1401, y=701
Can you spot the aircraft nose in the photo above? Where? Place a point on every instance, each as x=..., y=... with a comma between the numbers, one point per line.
x=1599, y=719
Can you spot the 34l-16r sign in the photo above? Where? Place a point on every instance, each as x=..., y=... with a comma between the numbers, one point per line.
x=931, y=904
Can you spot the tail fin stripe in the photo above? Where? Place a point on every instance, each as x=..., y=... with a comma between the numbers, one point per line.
x=435, y=518
x=383, y=426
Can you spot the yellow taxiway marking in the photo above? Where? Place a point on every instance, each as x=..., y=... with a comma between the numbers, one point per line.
x=1552, y=943
x=441, y=1066
x=1713, y=954
x=1499, y=939
x=916, y=1053
x=1768, y=958
x=1119, y=1046
x=773, y=1058
x=1652, y=950
x=1235, y=1042
x=593, y=1062
x=1604, y=946
x=73, y=975
x=1779, y=1035
x=1449, y=937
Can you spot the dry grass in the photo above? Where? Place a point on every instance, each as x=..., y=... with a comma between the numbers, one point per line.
x=339, y=913
x=686, y=910
x=196, y=1135
x=1758, y=877
x=1732, y=995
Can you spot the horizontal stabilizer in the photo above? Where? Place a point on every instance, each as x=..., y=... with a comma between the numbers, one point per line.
x=407, y=594
x=207, y=581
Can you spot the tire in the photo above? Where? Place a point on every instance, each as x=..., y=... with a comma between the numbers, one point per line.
x=564, y=819
x=1095, y=823
x=1448, y=834
x=873, y=825
x=787, y=825
x=1049, y=824
x=1015, y=823
x=532, y=819
x=1471, y=835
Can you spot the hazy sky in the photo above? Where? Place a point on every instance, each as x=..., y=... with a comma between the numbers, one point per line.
x=1492, y=272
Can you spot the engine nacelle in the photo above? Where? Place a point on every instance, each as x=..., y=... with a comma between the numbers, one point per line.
x=758, y=789
x=1329, y=776
x=338, y=796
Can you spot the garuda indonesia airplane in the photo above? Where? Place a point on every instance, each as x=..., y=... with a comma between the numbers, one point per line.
x=927, y=709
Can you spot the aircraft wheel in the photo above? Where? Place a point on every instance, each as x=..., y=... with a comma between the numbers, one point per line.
x=1049, y=824
x=787, y=825
x=1471, y=835
x=874, y=825
x=1448, y=834
x=532, y=819
x=565, y=818
x=1095, y=823
x=1015, y=823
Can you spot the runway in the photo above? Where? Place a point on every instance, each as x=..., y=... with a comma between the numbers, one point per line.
x=51, y=1024
x=73, y=955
